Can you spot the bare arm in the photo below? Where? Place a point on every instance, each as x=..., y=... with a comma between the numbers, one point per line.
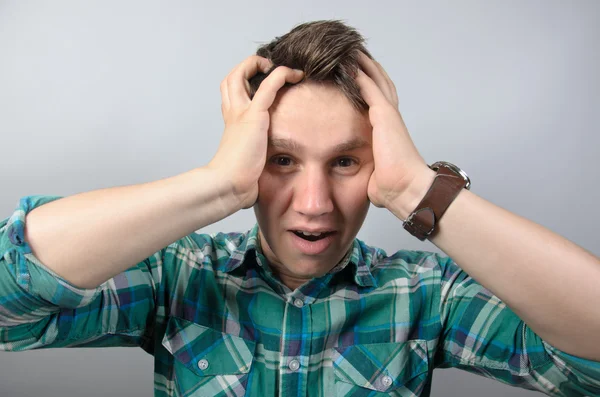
x=547, y=280
x=90, y=237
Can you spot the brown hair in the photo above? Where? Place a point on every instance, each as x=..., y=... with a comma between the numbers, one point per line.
x=326, y=50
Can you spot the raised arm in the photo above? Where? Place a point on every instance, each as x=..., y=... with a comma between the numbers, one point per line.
x=87, y=270
x=87, y=238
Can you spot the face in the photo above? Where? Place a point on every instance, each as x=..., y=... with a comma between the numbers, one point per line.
x=315, y=180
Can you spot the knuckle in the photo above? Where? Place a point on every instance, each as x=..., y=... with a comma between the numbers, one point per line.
x=253, y=60
x=280, y=73
x=283, y=69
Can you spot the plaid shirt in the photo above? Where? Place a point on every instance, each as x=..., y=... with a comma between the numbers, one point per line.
x=218, y=323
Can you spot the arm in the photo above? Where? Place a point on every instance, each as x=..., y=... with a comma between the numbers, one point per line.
x=520, y=262
x=67, y=273
x=515, y=258
x=90, y=237
x=97, y=227
x=543, y=340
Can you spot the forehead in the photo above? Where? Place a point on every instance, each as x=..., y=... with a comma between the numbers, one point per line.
x=316, y=116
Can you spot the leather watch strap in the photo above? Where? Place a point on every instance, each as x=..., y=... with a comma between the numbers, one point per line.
x=444, y=189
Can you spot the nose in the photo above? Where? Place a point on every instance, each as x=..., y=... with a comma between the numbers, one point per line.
x=312, y=193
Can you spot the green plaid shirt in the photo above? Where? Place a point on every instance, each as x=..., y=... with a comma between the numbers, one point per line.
x=218, y=323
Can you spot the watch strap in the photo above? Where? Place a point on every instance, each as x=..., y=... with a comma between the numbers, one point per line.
x=422, y=222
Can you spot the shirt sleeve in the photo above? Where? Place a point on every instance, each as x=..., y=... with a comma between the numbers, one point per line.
x=39, y=309
x=482, y=335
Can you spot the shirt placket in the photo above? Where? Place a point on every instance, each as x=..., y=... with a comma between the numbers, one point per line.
x=295, y=347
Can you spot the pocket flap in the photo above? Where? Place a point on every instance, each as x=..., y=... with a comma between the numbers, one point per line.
x=206, y=351
x=381, y=366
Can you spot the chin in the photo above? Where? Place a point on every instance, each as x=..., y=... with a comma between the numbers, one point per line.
x=309, y=268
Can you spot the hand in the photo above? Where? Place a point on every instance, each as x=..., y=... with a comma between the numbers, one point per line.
x=398, y=164
x=242, y=153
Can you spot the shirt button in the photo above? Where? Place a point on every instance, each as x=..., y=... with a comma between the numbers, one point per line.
x=294, y=365
x=298, y=303
x=203, y=364
x=386, y=381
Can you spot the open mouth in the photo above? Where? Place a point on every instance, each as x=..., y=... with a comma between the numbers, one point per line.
x=312, y=236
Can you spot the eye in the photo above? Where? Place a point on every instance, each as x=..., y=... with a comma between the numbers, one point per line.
x=345, y=162
x=282, y=161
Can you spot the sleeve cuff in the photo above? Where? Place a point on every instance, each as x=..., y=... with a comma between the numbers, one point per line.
x=16, y=223
x=30, y=274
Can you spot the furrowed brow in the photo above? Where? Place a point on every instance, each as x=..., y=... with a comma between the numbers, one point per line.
x=293, y=146
x=353, y=144
x=285, y=144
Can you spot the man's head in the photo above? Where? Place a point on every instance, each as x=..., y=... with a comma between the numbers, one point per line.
x=319, y=159
x=327, y=51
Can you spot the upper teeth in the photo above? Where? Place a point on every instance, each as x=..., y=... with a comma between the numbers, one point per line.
x=309, y=233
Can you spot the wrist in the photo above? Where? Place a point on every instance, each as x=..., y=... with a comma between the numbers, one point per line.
x=224, y=196
x=406, y=201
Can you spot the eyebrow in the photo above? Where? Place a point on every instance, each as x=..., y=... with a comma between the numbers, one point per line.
x=292, y=146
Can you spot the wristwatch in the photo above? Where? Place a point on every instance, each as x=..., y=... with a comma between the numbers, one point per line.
x=449, y=181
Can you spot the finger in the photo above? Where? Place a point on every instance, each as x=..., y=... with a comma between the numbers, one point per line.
x=225, y=104
x=238, y=88
x=369, y=90
x=266, y=93
x=390, y=83
x=370, y=68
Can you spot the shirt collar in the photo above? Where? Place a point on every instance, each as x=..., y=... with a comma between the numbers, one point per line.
x=359, y=256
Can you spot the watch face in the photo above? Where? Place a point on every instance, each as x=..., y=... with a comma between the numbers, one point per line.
x=435, y=166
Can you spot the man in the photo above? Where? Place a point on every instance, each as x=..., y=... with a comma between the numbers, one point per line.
x=298, y=306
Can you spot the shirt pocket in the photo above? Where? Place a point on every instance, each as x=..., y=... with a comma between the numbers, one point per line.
x=207, y=362
x=381, y=369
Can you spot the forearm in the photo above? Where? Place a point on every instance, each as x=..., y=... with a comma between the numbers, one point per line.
x=90, y=237
x=548, y=281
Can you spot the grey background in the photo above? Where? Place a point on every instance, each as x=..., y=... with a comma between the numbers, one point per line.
x=103, y=93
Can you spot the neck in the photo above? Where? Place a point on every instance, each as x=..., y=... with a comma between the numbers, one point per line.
x=289, y=280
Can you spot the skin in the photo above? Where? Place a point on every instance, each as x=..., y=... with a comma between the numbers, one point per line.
x=308, y=183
